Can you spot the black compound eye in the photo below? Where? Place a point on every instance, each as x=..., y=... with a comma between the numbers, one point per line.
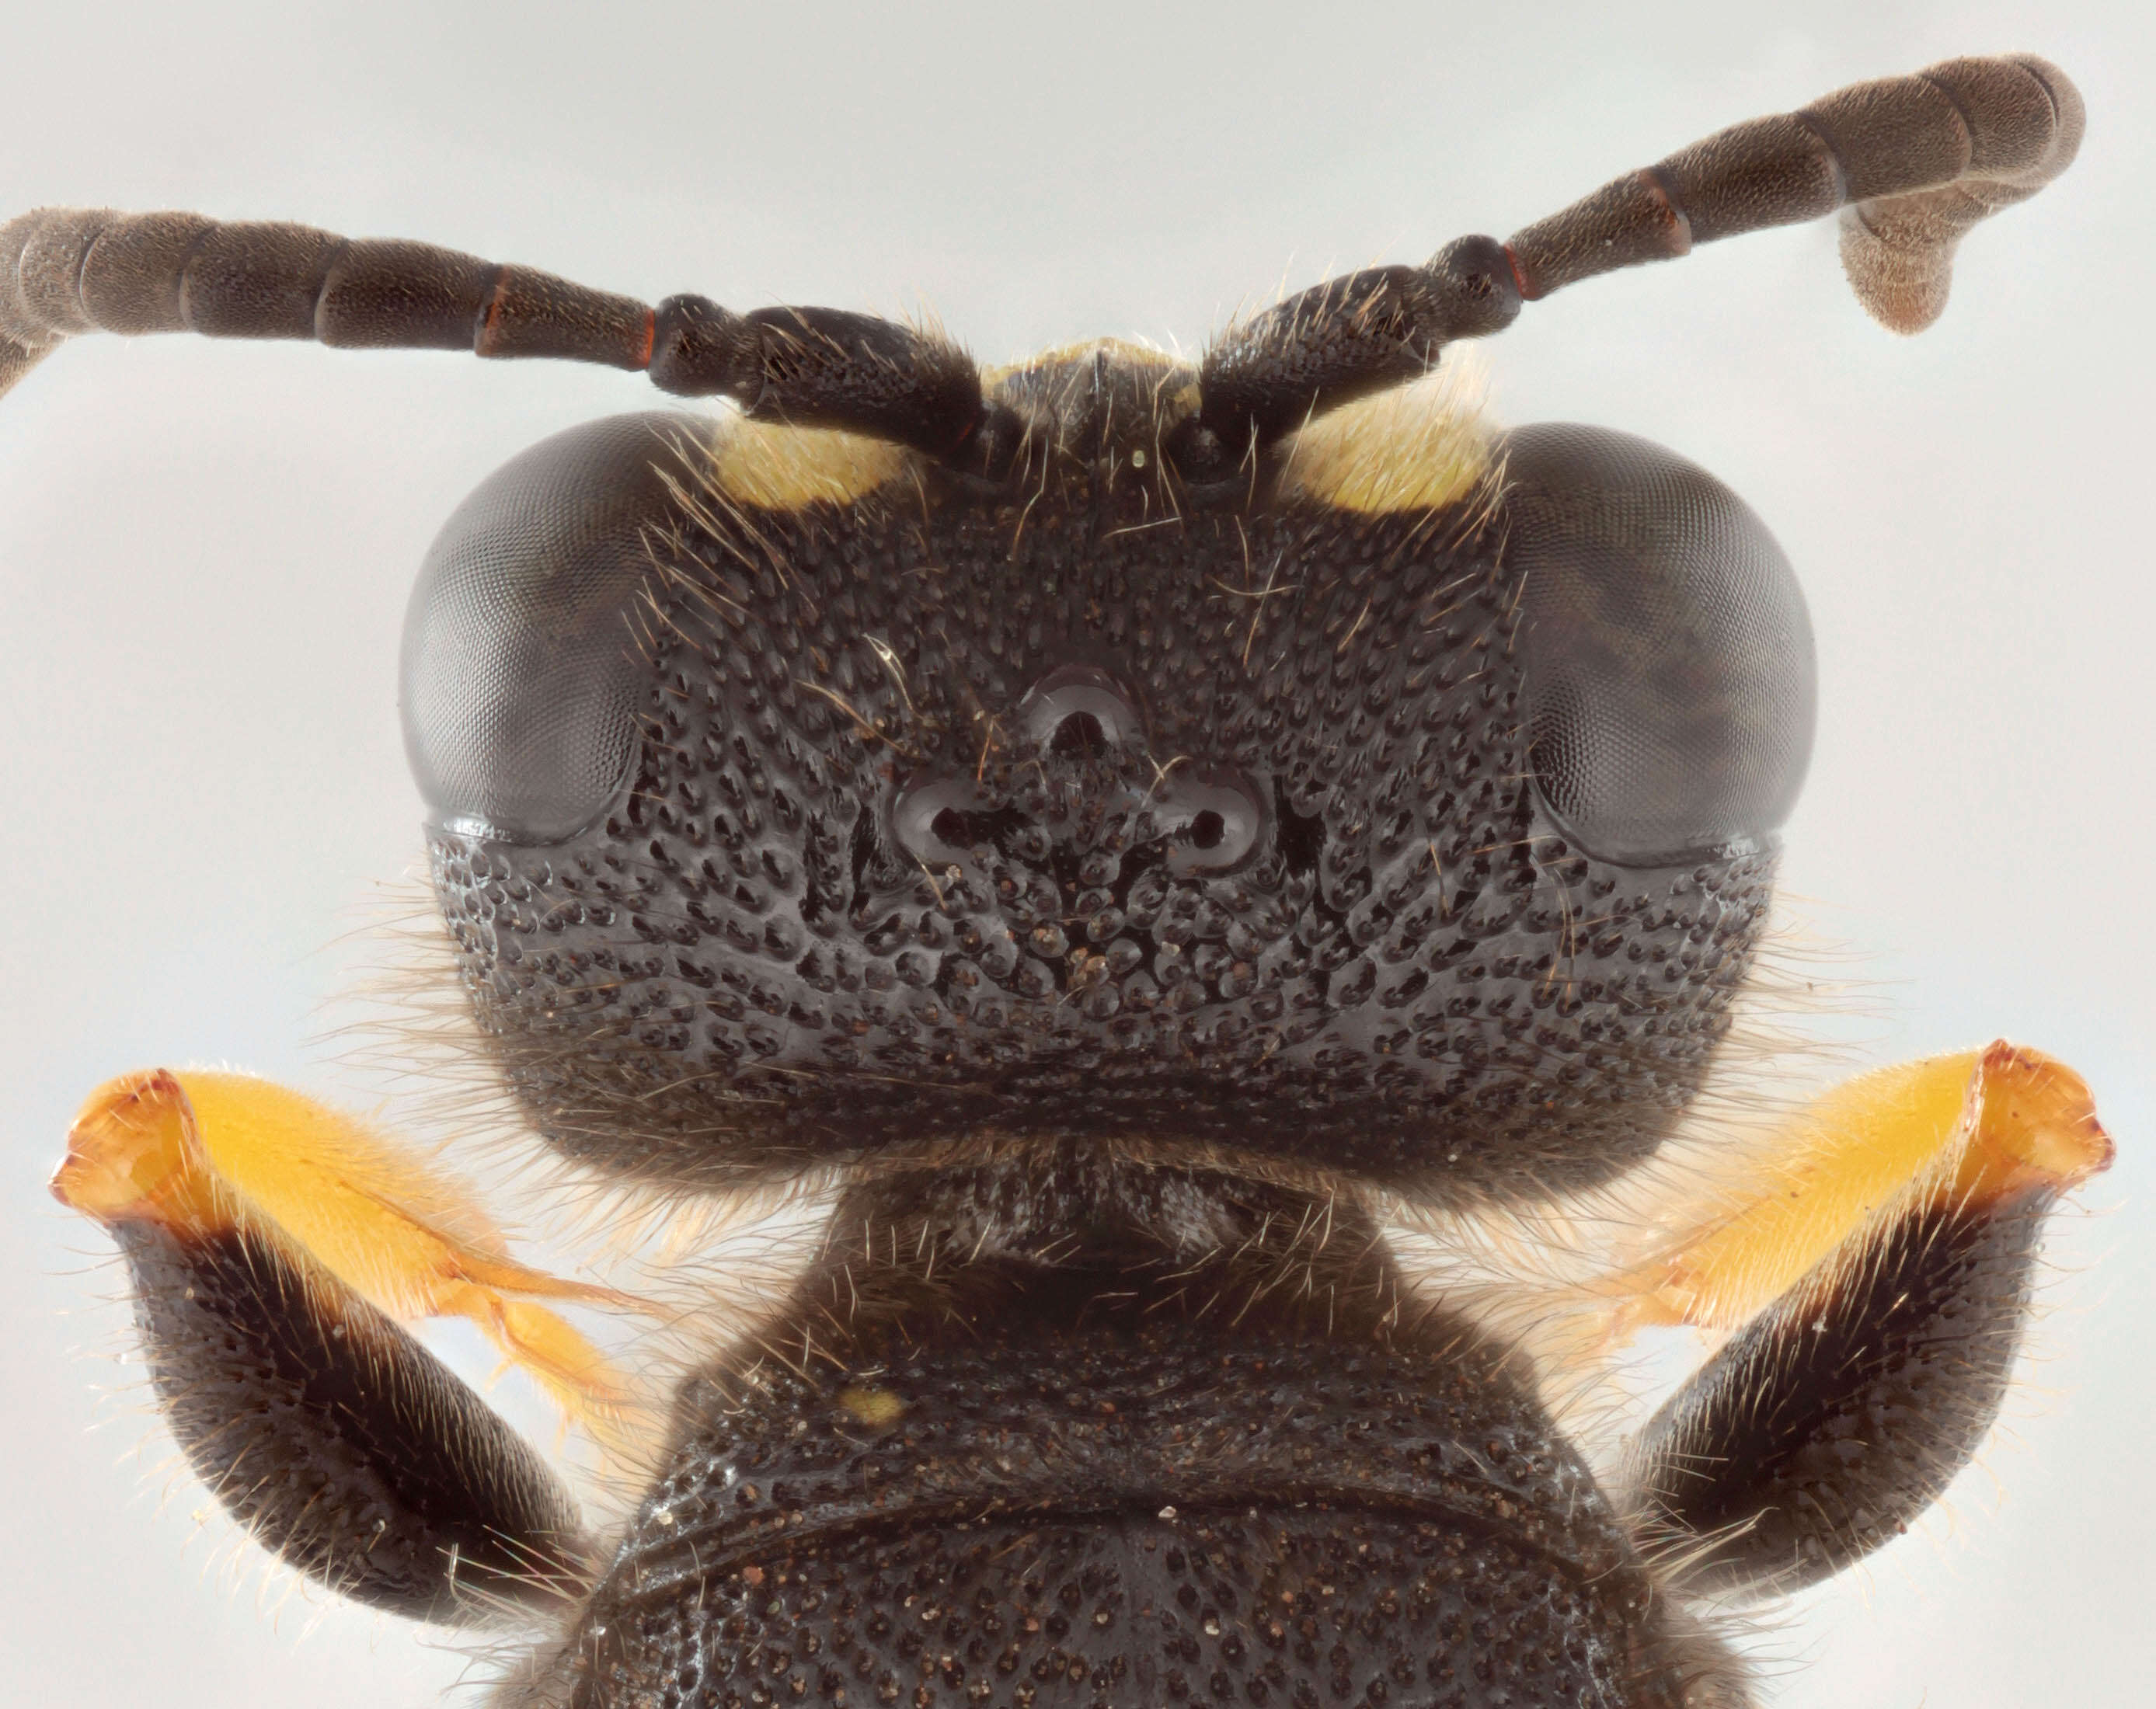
x=1670, y=673
x=522, y=672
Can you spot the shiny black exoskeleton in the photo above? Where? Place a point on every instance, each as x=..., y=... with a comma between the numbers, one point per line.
x=1071, y=858
x=1119, y=826
x=1115, y=1433
x=1065, y=812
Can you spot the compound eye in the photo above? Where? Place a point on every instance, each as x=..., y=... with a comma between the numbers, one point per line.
x=1670, y=683
x=522, y=671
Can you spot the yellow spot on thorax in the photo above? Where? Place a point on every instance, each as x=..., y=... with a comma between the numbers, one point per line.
x=872, y=1406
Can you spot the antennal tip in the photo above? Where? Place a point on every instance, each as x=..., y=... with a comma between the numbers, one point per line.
x=16, y=360
x=1901, y=275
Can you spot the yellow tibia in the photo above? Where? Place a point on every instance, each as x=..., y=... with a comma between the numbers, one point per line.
x=203, y=1154
x=2032, y=1127
x=583, y=1384
x=133, y=1156
x=1985, y=1127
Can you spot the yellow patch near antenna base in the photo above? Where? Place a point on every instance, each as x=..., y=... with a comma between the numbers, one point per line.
x=776, y=468
x=1413, y=447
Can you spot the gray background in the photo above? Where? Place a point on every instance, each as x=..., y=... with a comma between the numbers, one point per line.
x=204, y=552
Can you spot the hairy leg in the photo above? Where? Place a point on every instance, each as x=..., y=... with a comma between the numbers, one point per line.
x=1843, y=1405
x=264, y=1236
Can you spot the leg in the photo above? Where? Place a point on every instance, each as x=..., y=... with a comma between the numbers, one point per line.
x=325, y=1429
x=339, y=1442
x=1836, y=1414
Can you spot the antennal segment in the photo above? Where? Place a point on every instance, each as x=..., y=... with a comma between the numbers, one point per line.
x=65, y=271
x=1338, y=342
x=1915, y=161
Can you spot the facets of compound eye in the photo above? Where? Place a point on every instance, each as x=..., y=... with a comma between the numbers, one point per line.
x=1076, y=708
x=1670, y=676
x=522, y=672
x=1212, y=821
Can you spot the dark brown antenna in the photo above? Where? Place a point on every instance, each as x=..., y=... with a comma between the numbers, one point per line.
x=69, y=270
x=1915, y=162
